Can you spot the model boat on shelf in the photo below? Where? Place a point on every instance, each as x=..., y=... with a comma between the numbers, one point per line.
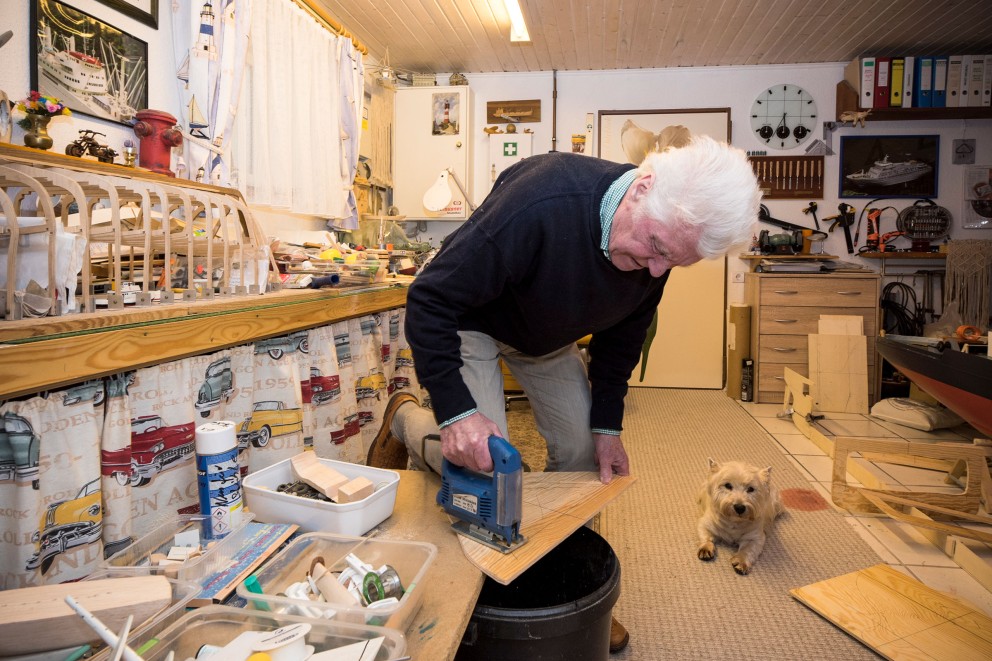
x=889, y=173
x=959, y=380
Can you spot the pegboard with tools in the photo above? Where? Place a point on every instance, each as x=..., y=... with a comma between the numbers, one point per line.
x=789, y=177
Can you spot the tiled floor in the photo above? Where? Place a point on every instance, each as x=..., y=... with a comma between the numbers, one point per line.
x=898, y=544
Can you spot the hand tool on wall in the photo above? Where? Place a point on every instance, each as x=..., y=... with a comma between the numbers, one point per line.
x=845, y=219
x=811, y=209
x=489, y=508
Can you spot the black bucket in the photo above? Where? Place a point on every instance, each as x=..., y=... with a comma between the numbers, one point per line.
x=560, y=608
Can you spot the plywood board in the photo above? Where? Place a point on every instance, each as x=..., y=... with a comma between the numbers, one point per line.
x=840, y=324
x=838, y=368
x=554, y=506
x=899, y=617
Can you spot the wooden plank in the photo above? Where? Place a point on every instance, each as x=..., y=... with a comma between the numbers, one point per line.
x=77, y=357
x=899, y=617
x=882, y=501
x=554, y=506
x=37, y=619
x=851, y=499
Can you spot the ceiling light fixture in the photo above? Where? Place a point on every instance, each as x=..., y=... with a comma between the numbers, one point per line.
x=518, y=29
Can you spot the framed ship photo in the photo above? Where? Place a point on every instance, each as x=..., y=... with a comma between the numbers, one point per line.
x=88, y=64
x=889, y=166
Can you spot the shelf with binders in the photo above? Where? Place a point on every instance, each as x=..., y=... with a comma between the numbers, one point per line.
x=847, y=101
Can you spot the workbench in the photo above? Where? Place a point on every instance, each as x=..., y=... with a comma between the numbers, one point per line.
x=452, y=584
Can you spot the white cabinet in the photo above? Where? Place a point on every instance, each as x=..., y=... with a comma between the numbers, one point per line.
x=433, y=134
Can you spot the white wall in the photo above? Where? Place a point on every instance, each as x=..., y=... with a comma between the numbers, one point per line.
x=15, y=76
x=712, y=87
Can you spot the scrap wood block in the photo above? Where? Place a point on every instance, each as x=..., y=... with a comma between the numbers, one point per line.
x=37, y=619
x=838, y=369
x=891, y=505
x=840, y=324
x=899, y=617
x=355, y=490
x=851, y=499
x=307, y=468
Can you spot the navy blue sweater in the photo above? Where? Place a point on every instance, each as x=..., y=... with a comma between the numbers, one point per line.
x=527, y=270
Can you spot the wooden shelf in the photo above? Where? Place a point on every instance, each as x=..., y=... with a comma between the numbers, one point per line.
x=903, y=255
x=847, y=100
x=78, y=347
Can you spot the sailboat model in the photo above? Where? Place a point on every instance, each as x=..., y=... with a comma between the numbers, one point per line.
x=197, y=122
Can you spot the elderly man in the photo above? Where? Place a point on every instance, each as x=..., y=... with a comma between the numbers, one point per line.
x=564, y=246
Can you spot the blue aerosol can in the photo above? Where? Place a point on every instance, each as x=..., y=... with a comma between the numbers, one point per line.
x=218, y=477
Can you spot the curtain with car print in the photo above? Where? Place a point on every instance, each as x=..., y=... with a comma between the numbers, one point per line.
x=87, y=470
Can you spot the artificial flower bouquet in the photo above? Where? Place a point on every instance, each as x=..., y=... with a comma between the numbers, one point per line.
x=37, y=104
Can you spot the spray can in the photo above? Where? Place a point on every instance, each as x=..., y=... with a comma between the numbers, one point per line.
x=218, y=477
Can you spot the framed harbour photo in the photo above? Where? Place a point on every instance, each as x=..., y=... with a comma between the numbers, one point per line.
x=91, y=66
x=890, y=166
x=625, y=136
x=145, y=11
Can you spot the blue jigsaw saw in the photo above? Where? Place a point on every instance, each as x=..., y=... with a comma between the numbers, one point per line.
x=488, y=507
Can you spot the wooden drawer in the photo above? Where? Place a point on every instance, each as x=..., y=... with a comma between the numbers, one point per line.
x=772, y=376
x=783, y=349
x=819, y=292
x=798, y=320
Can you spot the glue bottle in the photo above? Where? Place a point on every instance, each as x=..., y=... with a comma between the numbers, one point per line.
x=218, y=477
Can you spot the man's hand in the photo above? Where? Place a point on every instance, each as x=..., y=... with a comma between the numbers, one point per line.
x=610, y=457
x=466, y=442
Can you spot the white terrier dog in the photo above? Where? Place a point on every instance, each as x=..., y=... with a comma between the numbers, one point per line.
x=738, y=505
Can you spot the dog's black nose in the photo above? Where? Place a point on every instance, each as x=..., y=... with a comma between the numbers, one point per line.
x=740, y=509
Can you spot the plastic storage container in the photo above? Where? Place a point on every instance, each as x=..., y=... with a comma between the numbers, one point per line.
x=137, y=556
x=357, y=518
x=182, y=593
x=219, y=625
x=410, y=560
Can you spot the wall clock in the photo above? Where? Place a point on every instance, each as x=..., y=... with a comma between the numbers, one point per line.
x=783, y=116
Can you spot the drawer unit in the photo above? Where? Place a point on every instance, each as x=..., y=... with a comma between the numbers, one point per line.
x=785, y=309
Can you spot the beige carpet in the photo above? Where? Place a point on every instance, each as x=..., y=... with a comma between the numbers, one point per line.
x=675, y=605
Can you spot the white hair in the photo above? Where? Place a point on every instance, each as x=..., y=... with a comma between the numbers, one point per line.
x=708, y=186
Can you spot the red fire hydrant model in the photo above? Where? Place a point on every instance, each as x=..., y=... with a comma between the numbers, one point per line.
x=158, y=133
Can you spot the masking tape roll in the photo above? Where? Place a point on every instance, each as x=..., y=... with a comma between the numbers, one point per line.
x=969, y=333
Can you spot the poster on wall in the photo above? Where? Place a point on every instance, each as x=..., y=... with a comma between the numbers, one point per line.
x=90, y=65
x=888, y=166
x=445, y=114
x=625, y=136
x=145, y=11
x=977, y=198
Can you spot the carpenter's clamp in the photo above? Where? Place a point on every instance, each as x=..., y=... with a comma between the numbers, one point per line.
x=845, y=219
x=811, y=209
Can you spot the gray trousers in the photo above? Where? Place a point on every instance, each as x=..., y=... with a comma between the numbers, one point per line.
x=557, y=388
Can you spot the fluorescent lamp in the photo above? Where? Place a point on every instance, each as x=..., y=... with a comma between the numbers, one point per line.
x=518, y=29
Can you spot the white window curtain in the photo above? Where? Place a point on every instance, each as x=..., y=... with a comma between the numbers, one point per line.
x=296, y=144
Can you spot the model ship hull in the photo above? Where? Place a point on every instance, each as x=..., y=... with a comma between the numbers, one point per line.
x=959, y=380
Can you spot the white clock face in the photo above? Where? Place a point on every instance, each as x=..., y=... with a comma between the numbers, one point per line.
x=783, y=116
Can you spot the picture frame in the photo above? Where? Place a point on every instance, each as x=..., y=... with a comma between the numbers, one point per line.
x=94, y=68
x=145, y=11
x=445, y=114
x=646, y=130
x=977, y=198
x=889, y=166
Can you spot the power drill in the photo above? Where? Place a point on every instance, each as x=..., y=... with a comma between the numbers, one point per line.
x=874, y=226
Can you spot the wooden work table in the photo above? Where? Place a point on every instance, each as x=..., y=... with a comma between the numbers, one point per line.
x=452, y=584
x=46, y=353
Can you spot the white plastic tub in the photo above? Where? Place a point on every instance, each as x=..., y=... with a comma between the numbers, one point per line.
x=411, y=560
x=357, y=518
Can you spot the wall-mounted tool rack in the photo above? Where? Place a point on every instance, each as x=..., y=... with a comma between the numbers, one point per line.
x=130, y=221
x=789, y=177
